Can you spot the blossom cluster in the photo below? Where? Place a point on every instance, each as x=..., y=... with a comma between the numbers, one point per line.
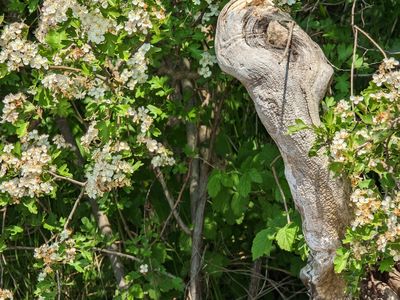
x=23, y=174
x=109, y=170
x=6, y=294
x=339, y=145
x=144, y=268
x=52, y=14
x=136, y=68
x=62, y=251
x=138, y=19
x=17, y=51
x=366, y=203
x=70, y=87
x=12, y=105
x=95, y=25
x=207, y=60
x=343, y=109
x=161, y=155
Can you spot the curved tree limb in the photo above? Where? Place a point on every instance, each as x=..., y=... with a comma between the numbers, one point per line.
x=250, y=43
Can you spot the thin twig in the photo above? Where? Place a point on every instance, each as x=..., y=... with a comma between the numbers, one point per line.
x=355, y=33
x=76, y=70
x=372, y=41
x=178, y=200
x=58, y=286
x=56, y=176
x=116, y=253
x=124, y=223
x=171, y=201
x=71, y=214
x=280, y=187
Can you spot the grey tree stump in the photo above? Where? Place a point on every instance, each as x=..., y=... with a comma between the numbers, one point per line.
x=251, y=45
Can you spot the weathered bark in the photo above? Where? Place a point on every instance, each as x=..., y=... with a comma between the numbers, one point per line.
x=251, y=45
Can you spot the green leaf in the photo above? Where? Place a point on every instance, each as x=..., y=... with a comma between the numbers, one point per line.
x=31, y=206
x=386, y=264
x=56, y=39
x=3, y=70
x=77, y=266
x=239, y=204
x=262, y=243
x=214, y=185
x=255, y=176
x=286, y=236
x=14, y=230
x=244, y=187
x=299, y=125
x=340, y=261
x=155, y=110
x=32, y=5
x=22, y=128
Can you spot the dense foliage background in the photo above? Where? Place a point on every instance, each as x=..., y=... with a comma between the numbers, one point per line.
x=116, y=111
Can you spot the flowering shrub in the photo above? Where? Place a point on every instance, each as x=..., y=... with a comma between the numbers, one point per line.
x=86, y=113
x=88, y=99
x=360, y=136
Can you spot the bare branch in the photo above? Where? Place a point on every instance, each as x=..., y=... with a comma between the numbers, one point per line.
x=56, y=176
x=71, y=214
x=171, y=201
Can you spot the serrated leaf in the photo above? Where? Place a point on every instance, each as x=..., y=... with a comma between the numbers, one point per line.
x=31, y=206
x=386, y=264
x=262, y=243
x=340, y=261
x=56, y=39
x=286, y=236
x=22, y=128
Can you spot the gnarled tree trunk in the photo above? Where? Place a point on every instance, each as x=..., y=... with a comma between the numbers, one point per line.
x=286, y=75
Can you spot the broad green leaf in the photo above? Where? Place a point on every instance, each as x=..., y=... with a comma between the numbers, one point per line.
x=262, y=243
x=155, y=110
x=286, y=236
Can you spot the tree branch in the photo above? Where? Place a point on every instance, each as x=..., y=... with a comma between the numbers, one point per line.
x=171, y=202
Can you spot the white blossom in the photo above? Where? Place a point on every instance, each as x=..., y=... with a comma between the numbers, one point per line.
x=12, y=103
x=109, y=171
x=144, y=268
x=207, y=60
x=17, y=51
x=138, y=19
